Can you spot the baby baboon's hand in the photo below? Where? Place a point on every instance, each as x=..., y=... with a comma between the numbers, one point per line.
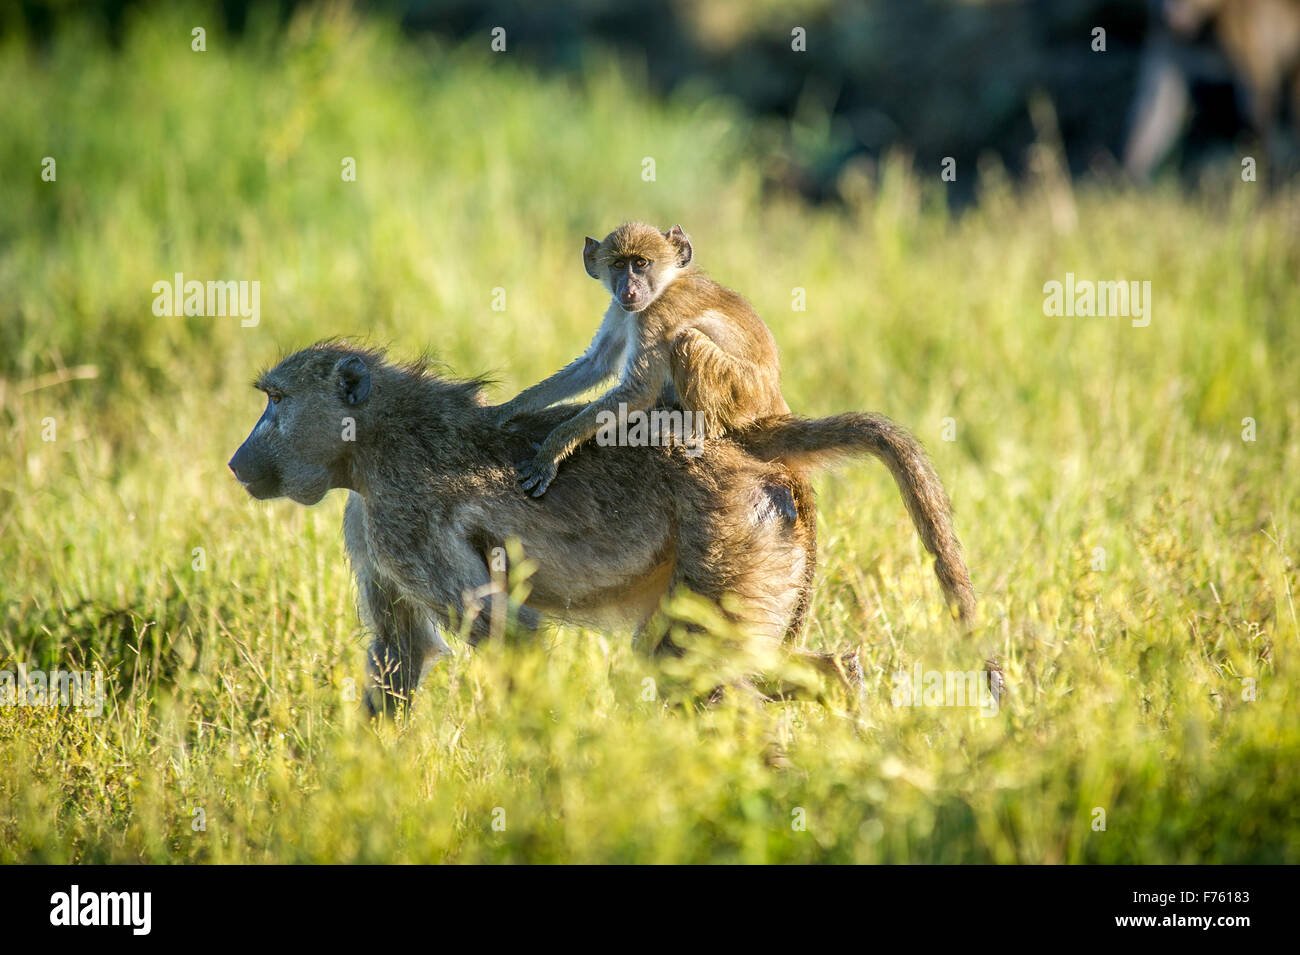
x=536, y=475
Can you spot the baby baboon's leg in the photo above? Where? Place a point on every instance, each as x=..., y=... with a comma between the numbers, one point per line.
x=726, y=390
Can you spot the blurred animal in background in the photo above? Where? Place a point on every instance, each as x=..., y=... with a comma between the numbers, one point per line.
x=1254, y=43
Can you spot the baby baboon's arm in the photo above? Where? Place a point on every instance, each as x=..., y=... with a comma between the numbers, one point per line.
x=643, y=380
x=586, y=371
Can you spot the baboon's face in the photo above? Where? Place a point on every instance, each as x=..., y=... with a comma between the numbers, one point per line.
x=636, y=262
x=300, y=447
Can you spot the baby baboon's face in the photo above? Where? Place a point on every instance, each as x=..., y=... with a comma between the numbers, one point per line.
x=636, y=262
x=301, y=445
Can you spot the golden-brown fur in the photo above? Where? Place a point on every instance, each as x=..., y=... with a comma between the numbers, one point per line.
x=673, y=335
x=433, y=495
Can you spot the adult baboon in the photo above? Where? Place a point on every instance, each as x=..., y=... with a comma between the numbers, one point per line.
x=434, y=495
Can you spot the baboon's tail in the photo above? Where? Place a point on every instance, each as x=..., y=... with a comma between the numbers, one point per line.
x=805, y=443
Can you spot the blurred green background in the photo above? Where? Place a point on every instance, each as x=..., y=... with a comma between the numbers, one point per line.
x=937, y=78
x=1157, y=684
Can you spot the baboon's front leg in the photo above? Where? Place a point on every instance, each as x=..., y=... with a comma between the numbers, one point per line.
x=480, y=600
x=405, y=638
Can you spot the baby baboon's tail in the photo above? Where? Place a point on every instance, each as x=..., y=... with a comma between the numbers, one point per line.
x=804, y=443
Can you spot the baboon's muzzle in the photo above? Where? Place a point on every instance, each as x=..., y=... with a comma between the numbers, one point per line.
x=258, y=477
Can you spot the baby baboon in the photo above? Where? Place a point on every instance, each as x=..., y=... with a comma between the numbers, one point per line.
x=433, y=495
x=673, y=334
x=675, y=337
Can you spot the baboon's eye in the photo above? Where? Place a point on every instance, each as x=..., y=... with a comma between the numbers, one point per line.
x=620, y=264
x=275, y=397
x=641, y=263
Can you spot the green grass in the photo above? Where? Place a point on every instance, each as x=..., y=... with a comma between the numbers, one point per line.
x=229, y=687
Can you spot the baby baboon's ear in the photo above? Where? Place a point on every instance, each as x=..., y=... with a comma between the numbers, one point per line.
x=354, y=380
x=589, y=251
x=682, y=244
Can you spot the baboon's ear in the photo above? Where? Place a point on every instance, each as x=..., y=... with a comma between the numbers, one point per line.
x=589, y=257
x=682, y=244
x=354, y=380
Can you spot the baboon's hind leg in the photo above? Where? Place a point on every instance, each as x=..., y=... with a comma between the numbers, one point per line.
x=757, y=556
x=805, y=530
